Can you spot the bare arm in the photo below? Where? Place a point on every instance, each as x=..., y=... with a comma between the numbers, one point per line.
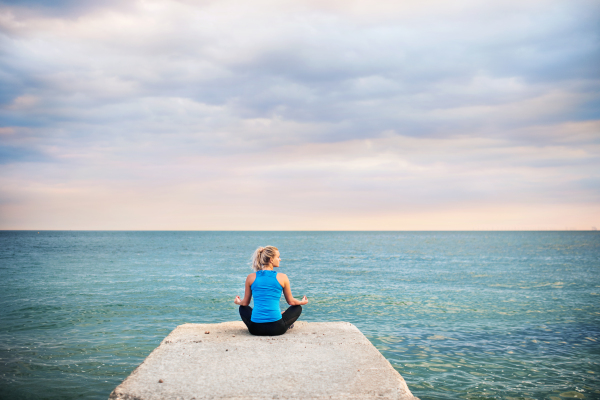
x=247, y=292
x=287, y=292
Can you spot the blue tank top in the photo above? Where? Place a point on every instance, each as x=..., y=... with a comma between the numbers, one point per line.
x=266, y=291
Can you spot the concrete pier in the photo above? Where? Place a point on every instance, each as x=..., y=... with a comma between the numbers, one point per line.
x=331, y=360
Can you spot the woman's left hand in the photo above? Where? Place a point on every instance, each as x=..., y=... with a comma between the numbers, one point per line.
x=237, y=300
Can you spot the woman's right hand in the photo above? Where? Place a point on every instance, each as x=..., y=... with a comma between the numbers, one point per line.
x=304, y=301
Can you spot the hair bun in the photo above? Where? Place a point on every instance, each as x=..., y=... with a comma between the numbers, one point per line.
x=262, y=256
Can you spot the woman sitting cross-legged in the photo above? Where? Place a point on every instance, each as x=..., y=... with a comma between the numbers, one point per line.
x=266, y=286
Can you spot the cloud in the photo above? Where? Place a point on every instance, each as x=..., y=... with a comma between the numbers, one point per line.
x=348, y=107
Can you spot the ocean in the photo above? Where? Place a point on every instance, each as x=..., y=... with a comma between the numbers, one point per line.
x=460, y=315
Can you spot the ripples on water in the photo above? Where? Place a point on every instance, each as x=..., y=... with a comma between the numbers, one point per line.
x=473, y=315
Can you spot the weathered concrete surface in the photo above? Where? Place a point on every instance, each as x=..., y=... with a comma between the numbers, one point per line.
x=332, y=360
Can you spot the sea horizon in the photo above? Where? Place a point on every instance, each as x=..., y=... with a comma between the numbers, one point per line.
x=296, y=230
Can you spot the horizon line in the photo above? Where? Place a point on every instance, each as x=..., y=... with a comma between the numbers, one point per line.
x=297, y=230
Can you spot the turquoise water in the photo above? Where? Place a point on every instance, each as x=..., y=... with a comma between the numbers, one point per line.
x=473, y=315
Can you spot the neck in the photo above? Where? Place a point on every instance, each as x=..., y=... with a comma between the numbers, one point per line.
x=268, y=268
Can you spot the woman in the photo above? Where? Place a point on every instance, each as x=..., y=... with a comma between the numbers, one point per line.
x=266, y=285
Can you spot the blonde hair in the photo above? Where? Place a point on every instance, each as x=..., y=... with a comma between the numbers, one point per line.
x=262, y=256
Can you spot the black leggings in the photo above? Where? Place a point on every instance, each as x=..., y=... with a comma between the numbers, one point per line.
x=274, y=328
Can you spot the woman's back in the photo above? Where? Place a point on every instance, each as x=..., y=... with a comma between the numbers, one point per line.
x=266, y=291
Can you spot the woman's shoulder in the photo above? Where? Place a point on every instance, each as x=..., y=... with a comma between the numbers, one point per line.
x=281, y=278
x=251, y=277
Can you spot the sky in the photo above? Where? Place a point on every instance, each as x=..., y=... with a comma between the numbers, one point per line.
x=300, y=115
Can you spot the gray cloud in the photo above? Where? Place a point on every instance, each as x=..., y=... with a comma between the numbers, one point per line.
x=450, y=103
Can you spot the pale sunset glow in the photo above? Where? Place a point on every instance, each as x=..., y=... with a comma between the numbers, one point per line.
x=300, y=115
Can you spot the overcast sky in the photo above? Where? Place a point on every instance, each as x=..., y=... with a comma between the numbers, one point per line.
x=308, y=115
